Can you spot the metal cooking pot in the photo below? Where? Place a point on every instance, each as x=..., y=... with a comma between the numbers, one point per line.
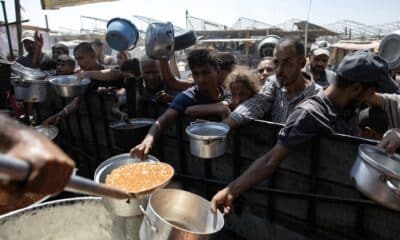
x=176, y=214
x=122, y=208
x=207, y=139
x=30, y=85
x=49, y=131
x=159, y=40
x=69, y=85
x=266, y=46
x=377, y=175
x=82, y=218
x=129, y=133
x=184, y=39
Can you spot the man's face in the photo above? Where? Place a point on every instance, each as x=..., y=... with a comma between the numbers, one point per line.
x=288, y=65
x=29, y=46
x=359, y=95
x=265, y=69
x=206, y=77
x=121, y=58
x=240, y=93
x=152, y=75
x=56, y=52
x=85, y=61
x=64, y=69
x=318, y=63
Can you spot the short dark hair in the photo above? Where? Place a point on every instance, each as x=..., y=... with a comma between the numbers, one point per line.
x=85, y=47
x=62, y=47
x=131, y=66
x=66, y=59
x=227, y=61
x=295, y=42
x=201, y=56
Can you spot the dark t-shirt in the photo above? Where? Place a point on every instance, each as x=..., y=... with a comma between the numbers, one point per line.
x=46, y=63
x=314, y=117
x=192, y=96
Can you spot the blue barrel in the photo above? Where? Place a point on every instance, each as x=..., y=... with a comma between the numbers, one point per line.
x=121, y=34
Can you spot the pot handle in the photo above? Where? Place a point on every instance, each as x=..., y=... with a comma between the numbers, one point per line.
x=146, y=218
x=391, y=186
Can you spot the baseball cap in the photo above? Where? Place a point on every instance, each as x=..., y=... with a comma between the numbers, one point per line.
x=28, y=35
x=368, y=68
x=320, y=51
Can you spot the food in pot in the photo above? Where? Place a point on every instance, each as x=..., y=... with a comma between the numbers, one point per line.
x=10, y=203
x=138, y=177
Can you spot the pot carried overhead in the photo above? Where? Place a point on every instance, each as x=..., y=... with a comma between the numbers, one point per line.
x=377, y=175
x=30, y=85
x=207, y=139
x=159, y=40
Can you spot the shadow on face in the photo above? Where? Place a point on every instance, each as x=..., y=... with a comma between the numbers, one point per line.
x=151, y=74
x=288, y=64
x=86, y=61
x=206, y=77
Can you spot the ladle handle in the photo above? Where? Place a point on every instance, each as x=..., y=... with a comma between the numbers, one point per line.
x=18, y=170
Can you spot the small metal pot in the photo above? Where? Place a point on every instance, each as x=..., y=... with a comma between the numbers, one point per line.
x=30, y=85
x=49, y=131
x=207, y=139
x=377, y=175
x=129, y=133
x=176, y=214
x=159, y=40
x=123, y=208
x=69, y=85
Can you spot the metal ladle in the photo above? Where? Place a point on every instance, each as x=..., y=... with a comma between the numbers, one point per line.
x=18, y=170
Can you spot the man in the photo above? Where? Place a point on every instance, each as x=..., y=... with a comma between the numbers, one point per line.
x=287, y=88
x=318, y=67
x=50, y=166
x=265, y=69
x=203, y=63
x=34, y=58
x=357, y=77
x=390, y=104
x=98, y=46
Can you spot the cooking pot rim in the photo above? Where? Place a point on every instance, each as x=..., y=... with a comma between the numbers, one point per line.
x=363, y=150
x=120, y=123
x=202, y=137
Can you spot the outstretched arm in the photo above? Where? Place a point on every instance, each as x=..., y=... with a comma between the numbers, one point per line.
x=170, y=80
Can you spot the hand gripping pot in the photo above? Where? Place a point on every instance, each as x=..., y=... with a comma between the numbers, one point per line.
x=377, y=175
x=159, y=40
x=121, y=34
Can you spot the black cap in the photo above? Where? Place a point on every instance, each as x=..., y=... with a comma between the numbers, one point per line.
x=368, y=68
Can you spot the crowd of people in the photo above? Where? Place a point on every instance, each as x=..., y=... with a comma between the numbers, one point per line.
x=308, y=98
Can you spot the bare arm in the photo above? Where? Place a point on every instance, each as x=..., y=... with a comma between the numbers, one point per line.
x=220, y=109
x=67, y=110
x=174, y=66
x=37, y=56
x=170, y=80
x=101, y=75
x=230, y=122
x=376, y=100
x=155, y=131
x=50, y=166
x=261, y=169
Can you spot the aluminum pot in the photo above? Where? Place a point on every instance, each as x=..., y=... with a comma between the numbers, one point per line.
x=266, y=46
x=207, y=139
x=129, y=133
x=30, y=85
x=122, y=208
x=176, y=214
x=377, y=175
x=49, y=131
x=82, y=218
x=159, y=40
x=69, y=85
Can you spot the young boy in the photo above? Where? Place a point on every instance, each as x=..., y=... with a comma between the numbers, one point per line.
x=203, y=63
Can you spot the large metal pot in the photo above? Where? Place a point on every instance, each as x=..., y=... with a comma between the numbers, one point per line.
x=207, y=139
x=30, y=85
x=377, y=175
x=82, y=218
x=123, y=207
x=69, y=85
x=159, y=40
x=267, y=45
x=129, y=133
x=176, y=214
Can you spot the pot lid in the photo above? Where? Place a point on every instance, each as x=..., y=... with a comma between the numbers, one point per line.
x=206, y=130
x=132, y=123
x=378, y=158
x=28, y=73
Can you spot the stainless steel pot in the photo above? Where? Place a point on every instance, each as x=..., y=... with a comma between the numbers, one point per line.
x=82, y=218
x=69, y=85
x=30, y=85
x=207, y=139
x=159, y=40
x=49, y=131
x=176, y=214
x=377, y=175
x=122, y=208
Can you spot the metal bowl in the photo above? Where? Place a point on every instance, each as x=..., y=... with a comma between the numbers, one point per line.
x=123, y=207
x=49, y=131
x=69, y=85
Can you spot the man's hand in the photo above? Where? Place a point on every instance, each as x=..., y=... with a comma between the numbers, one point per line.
x=222, y=200
x=54, y=119
x=81, y=75
x=143, y=148
x=38, y=40
x=391, y=140
x=163, y=97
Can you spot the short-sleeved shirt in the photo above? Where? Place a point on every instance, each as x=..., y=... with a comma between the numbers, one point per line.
x=314, y=117
x=46, y=62
x=193, y=96
x=391, y=106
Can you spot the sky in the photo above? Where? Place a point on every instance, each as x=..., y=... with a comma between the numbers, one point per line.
x=225, y=12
